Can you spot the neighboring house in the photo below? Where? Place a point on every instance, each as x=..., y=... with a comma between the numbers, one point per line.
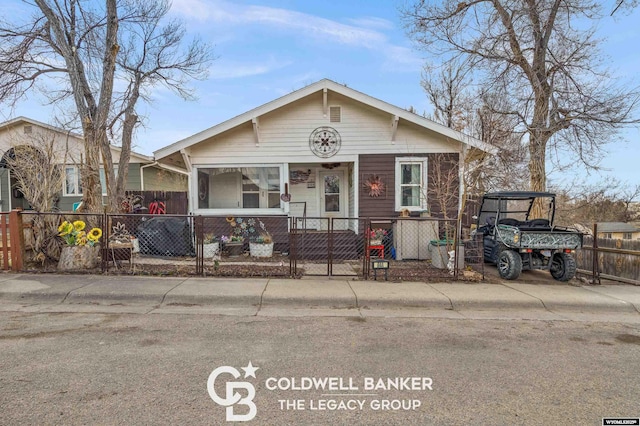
x=326, y=151
x=618, y=231
x=68, y=149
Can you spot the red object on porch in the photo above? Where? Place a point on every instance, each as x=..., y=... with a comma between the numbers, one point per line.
x=379, y=248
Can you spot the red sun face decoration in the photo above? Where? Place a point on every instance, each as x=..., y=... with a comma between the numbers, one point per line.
x=375, y=186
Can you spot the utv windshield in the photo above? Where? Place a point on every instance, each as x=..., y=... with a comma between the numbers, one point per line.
x=500, y=207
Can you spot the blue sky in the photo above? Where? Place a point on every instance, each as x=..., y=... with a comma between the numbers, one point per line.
x=266, y=49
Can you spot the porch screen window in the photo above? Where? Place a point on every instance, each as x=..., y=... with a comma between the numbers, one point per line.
x=239, y=187
x=411, y=183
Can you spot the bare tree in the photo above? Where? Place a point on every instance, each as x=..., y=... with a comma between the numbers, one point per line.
x=83, y=47
x=606, y=201
x=535, y=55
x=34, y=163
x=461, y=107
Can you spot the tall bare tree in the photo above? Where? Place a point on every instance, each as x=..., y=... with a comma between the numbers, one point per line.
x=542, y=60
x=83, y=47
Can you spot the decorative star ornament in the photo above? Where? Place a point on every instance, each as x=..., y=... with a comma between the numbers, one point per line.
x=250, y=370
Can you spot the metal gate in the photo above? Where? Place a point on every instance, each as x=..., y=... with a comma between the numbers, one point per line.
x=325, y=246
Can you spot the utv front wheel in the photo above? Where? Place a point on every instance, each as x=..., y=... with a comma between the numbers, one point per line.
x=509, y=264
x=563, y=267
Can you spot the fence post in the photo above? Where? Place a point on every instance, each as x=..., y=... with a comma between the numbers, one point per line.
x=596, y=263
x=198, y=222
x=16, y=234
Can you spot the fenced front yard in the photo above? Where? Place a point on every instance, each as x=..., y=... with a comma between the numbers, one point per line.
x=274, y=246
x=413, y=249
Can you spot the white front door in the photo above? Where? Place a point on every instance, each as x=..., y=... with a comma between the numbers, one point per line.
x=332, y=196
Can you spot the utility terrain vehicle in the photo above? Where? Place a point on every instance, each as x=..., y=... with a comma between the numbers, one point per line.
x=515, y=241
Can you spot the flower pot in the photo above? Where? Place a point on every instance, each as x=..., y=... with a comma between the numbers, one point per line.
x=74, y=258
x=261, y=249
x=234, y=248
x=136, y=245
x=375, y=242
x=210, y=250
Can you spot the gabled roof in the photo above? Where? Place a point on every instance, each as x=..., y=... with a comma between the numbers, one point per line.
x=309, y=90
x=19, y=120
x=616, y=227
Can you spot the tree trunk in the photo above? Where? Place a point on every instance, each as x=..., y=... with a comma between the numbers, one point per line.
x=537, y=169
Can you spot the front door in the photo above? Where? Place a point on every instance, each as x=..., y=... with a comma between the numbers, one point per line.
x=332, y=197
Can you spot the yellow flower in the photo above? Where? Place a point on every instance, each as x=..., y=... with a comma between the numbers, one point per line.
x=65, y=228
x=94, y=234
x=80, y=241
x=79, y=225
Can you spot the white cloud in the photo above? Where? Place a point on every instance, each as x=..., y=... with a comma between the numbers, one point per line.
x=222, y=69
x=373, y=22
x=223, y=13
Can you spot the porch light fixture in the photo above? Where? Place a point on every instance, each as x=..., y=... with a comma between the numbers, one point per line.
x=380, y=264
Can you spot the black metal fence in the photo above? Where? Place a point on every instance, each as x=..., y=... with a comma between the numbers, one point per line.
x=420, y=249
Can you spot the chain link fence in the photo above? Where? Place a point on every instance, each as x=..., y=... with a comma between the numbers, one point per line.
x=417, y=249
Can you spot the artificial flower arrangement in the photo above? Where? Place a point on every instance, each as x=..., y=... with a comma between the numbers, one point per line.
x=252, y=228
x=232, y=239
x=210, y=239
x=73, y=234
x=377, y=234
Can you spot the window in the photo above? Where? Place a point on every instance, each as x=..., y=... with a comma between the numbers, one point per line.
x=103, y=179
x=72, y=182
x=411, y=180
x=627, y=236
x=239, y=187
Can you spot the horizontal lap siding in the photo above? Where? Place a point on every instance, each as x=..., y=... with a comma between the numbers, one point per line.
x=383, y=166
x=284, y=135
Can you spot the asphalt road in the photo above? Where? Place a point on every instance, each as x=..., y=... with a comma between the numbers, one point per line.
x=72, y=368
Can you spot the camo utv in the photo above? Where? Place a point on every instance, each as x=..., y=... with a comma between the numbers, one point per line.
x=515, y=241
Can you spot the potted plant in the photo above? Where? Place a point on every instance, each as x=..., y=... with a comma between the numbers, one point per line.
x=80, y=251
x=211, y=246
x=376, y=235
x=234, y=244
x=261, y=246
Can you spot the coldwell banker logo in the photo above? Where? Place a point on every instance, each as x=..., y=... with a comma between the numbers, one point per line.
x=232, y=398
x=318, y=394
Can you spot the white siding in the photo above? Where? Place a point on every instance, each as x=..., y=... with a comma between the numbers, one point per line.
x=284, y=135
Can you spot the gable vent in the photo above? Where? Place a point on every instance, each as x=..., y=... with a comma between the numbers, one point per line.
x=28, y=130
x=335, y=114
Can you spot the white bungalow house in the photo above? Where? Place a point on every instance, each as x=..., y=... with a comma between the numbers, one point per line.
x=324, y=151
x=67, y=149
x=323, y=145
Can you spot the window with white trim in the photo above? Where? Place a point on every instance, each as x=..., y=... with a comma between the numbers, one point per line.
x=103, y=179
x=72, y=182
x=239, y=187
x=411, y=183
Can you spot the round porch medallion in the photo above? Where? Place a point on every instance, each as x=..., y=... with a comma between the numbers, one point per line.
x=325, y=142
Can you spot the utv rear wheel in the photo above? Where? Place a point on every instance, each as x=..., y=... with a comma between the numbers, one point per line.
x=509, y=264
x=563, y=267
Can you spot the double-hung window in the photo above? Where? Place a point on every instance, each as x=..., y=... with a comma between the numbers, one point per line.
x=411, y=183
x=72, y=181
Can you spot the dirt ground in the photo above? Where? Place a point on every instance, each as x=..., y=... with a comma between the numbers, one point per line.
x=276, y=266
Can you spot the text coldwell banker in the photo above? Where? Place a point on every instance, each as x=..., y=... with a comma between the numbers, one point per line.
x=347, y=384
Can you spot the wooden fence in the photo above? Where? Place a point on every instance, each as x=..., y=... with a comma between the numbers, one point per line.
x=610, y=259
